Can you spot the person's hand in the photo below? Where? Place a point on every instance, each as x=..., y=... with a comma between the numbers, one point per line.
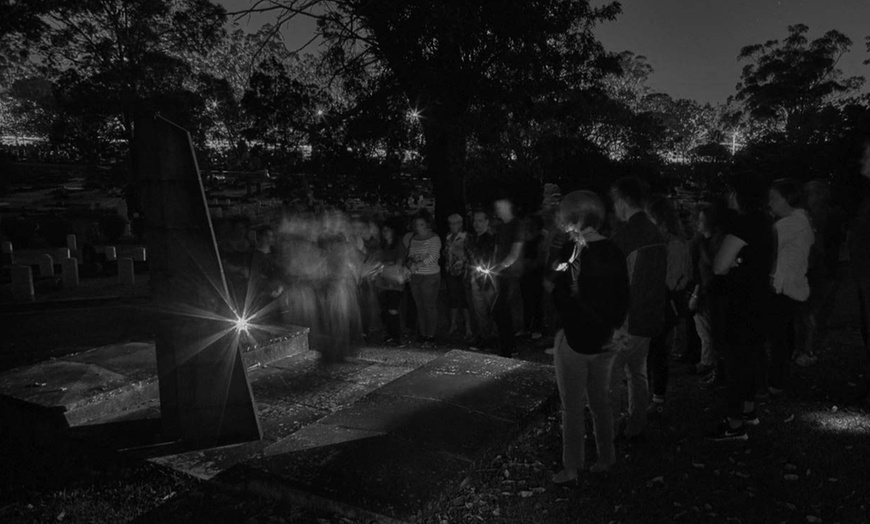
x=548, y=285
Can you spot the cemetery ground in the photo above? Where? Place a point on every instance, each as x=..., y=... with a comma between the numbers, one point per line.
x=808, y=460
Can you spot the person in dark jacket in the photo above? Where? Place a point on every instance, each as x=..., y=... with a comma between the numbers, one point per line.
x=646, y=252
x=590, y=291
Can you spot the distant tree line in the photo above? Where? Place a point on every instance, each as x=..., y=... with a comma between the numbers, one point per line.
x=476, y=96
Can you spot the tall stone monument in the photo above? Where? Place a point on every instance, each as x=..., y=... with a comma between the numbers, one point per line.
x=205, y=396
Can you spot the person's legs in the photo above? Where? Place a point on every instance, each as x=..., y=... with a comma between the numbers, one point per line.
x=597, y=386
x=705, y=333
x=572, y=371
x=630, y=364
x=416, y=284
x=502, y=315
x=429, y=288
x=782, y=316
x=657, y=363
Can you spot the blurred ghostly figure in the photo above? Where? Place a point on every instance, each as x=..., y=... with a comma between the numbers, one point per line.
x=304, y=266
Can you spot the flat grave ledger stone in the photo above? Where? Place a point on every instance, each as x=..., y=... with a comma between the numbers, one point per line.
x=70, y=271
x=46, y=265
x=126, y=271
x=22, y=283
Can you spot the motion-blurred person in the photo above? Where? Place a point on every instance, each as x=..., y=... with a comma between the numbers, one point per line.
x=508, y=268
x=794, y=238
x=455, y=261
x=646, y=254
x=664, y=215
x=480, y=249
x=531, y=283
x=591, y=293
x=859, y=255
x=424, y=252
x=744, y=260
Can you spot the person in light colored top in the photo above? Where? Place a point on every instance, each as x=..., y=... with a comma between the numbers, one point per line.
x=424, y=252
x=795, y=237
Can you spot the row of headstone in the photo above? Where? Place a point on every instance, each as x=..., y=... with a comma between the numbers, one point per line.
x=22, y=276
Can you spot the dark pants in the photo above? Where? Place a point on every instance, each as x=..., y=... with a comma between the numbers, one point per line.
x=742, y=363
x=657, y=360
x=783, y=316
x=508, y=287
x=533, y=304
x=391, y=303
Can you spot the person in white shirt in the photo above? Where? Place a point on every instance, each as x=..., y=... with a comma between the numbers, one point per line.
x=794, y=238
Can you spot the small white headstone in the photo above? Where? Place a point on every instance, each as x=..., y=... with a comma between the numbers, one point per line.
x=71, y=242
x=70, y=267
x=126, y=273
x=46, y=265
x=111, y=254
x=22, y=283
x=139, y=254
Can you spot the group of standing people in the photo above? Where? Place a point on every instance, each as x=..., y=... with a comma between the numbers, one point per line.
x=755, y=284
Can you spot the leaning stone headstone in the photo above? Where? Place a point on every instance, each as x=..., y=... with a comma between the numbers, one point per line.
x=46, y=265
x=71, y=242
x=139, y=254
x=7, y=257
x=111, y=254
x=22, y=283
x=205, y=395
x=126, y=272
x=70, y=272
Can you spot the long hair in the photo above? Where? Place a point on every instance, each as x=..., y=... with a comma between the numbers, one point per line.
x=664, y=213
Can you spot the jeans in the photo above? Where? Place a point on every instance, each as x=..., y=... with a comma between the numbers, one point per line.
x=482, y=299
x=583, y=378
x=502, y=312
x=704, y=327
x=424, y=289
x=630, y=365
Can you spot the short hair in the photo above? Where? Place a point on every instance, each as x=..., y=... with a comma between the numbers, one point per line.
x=455, y=217
x=584, y=208
x=750, y=191
x=791, y=190
x=631, y=189
x=425, y=216
x=665, y=214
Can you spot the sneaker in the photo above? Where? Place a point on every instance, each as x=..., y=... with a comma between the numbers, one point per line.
x=724, y=432
x=751, y=418
x=565, y=478
x=536, y=335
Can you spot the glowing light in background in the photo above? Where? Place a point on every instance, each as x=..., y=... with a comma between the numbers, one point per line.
x=242, y=324
x=843, y=422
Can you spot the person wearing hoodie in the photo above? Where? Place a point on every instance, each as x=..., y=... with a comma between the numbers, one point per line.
x=794, y=238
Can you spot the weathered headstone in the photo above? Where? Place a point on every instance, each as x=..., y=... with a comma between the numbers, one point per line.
x=70, y=272
x=46, y=265
x=126, y=272
x=111, y=254
x=139, y=254
x=62, y=253
x=205, y=395
x=71, y=242
x=7, y=257
x=22, y=282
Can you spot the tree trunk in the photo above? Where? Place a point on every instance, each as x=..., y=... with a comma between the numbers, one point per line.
x=444, y=158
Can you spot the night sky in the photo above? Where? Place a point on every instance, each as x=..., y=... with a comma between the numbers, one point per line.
x=693, y=44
